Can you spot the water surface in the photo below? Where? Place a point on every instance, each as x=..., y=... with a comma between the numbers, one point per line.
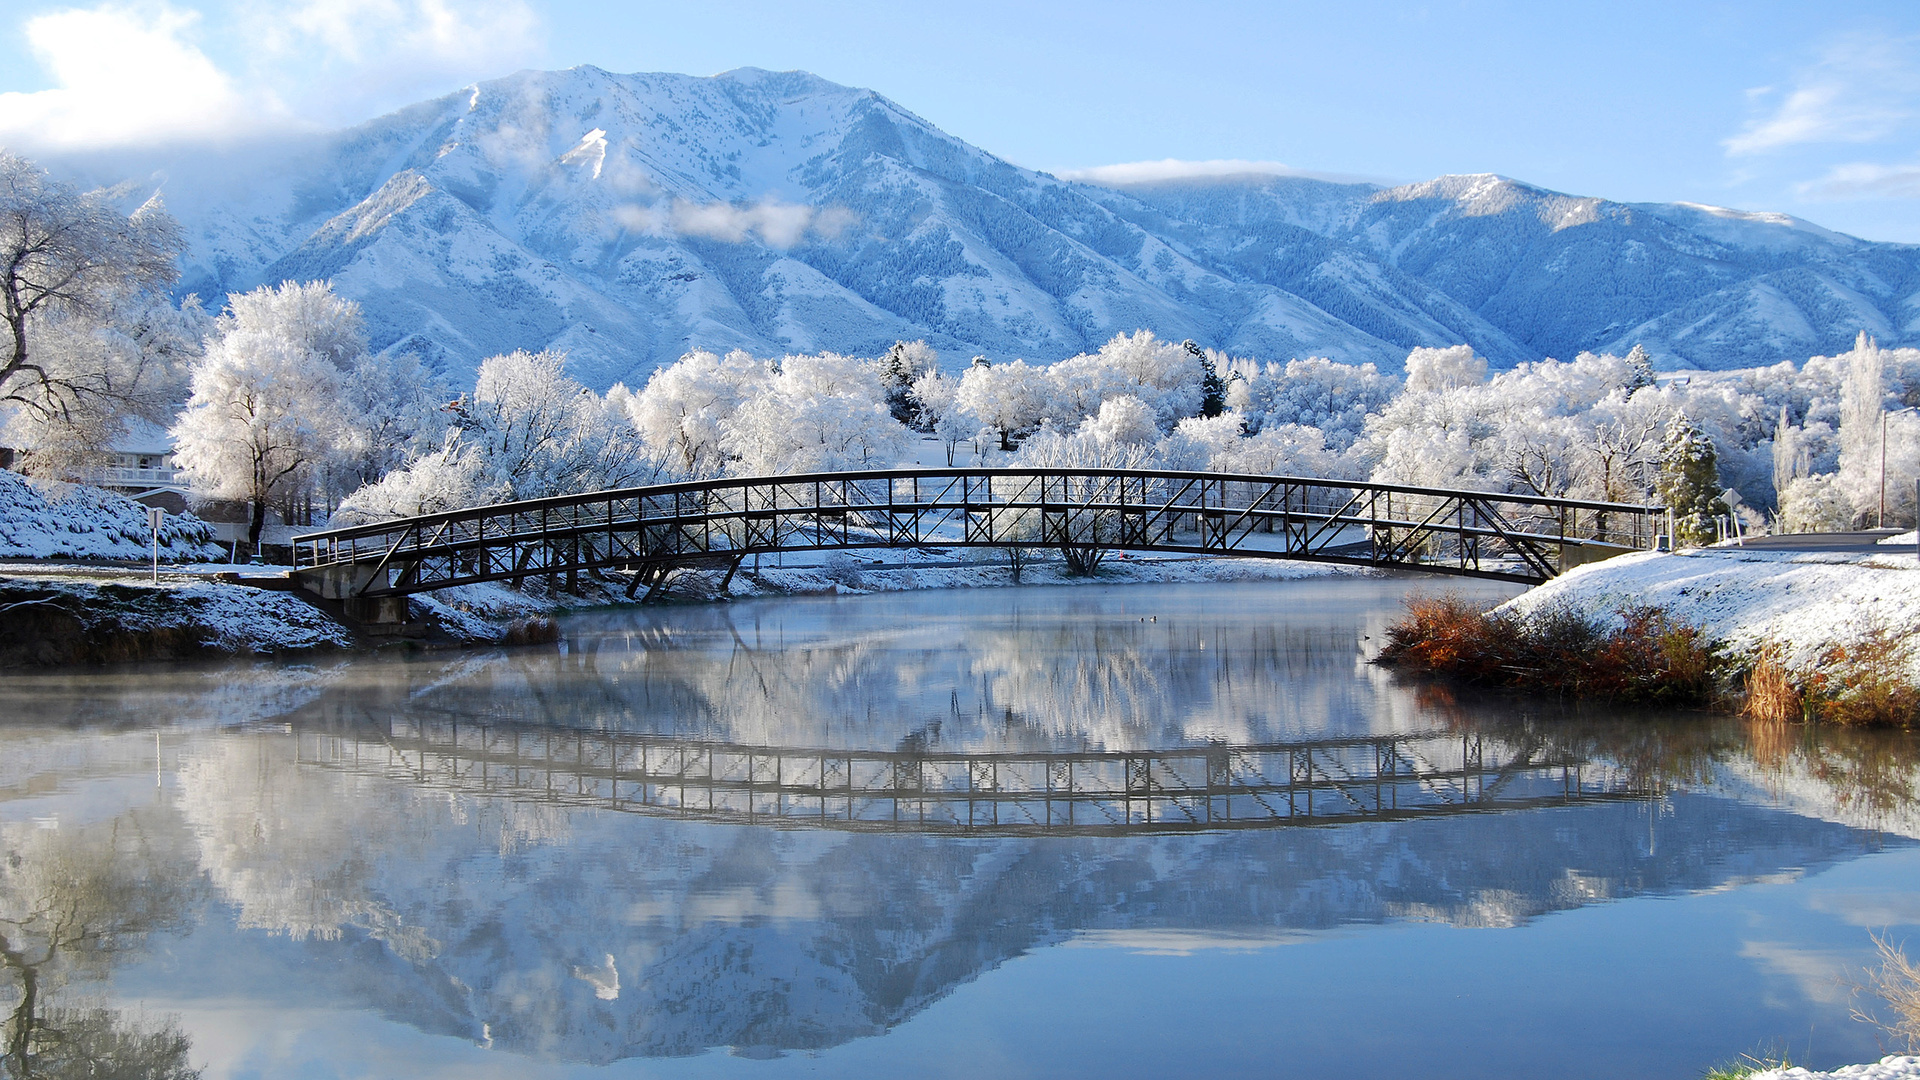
x=1091, y=831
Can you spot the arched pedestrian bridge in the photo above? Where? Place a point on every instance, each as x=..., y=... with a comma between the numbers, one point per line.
x=651, y=531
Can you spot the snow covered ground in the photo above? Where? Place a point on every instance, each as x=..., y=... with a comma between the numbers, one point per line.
x=1806, y=601
x=51, y=520
x=1887, y=1068
x=75, y=614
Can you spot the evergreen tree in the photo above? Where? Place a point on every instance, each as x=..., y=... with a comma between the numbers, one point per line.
x=1213, y=388
x=1640, y=368
x=896, y=381
x=1689, y=481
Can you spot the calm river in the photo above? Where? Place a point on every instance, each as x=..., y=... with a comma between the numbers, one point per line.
x=1131, y=831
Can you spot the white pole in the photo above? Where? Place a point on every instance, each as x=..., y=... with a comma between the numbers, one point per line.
x=155, y=516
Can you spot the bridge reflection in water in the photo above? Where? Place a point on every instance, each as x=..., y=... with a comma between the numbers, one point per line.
x=1317, y=782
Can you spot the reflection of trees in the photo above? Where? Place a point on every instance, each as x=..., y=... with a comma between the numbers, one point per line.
x=1063, y=671
x=72, y=901
x=1863, y=777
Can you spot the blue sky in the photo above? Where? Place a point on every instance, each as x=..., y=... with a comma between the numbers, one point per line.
x=1809, y=109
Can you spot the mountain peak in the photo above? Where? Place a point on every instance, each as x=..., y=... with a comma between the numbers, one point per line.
x=628, y=218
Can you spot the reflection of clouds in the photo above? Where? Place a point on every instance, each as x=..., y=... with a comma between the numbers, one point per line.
x=1874, y=909
x=1820, y=975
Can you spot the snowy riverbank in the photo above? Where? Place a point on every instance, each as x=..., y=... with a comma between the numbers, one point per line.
x=1887, y=1068
x=1808, y=602
x=78, y=617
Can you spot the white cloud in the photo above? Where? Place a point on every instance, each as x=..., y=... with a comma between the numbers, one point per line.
x=1147, y=172
x=156, y=72
x=348, y=54
x=124, y=77
x=1861, y=180
x=778, y=224
x=1860, y=90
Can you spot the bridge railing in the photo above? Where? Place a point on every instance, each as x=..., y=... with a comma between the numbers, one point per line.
x=1493, y=534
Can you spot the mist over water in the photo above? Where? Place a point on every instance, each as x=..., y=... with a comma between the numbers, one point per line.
x=1117, y=831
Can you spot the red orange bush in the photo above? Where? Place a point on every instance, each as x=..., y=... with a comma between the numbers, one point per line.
x=1647, y=657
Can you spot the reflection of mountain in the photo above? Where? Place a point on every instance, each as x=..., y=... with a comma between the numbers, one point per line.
x=597, y=936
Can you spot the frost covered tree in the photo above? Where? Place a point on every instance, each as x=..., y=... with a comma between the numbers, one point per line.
x=1213, y=388
x=1010, y=400
x=816, y=414
x=286, y=404
x=935, y=402
x=1123, y=439
x=1689, y=482
x=1862, y=404
x=541, y=433
x=527, y=431
x=144, y=344
x=450, y=477
x=1434, y=370
x=683, y=410
x=1640, y=369
x=1122, y=421
x=265, y=413
x=76, y=277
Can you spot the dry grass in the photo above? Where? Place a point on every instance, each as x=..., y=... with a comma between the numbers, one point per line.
x=1772, y=692
x=1866, y=684
x=1647, y=658
x=1897, y=982
x=532, y=631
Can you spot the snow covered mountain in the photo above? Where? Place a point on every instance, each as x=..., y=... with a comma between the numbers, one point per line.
x=627, y=218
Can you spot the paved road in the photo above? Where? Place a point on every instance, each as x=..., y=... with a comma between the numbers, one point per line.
x=1849, y=542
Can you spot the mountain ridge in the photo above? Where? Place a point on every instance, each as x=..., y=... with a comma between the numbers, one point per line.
x=629, y=218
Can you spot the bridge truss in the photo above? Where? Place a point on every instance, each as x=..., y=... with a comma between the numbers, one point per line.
x=1311, y=782
x=652, y=530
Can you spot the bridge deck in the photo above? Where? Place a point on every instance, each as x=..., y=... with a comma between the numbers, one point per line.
x=1084, y=511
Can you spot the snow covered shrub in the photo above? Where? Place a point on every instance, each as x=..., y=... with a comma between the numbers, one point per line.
x=47, y=519
x=1813, y=504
